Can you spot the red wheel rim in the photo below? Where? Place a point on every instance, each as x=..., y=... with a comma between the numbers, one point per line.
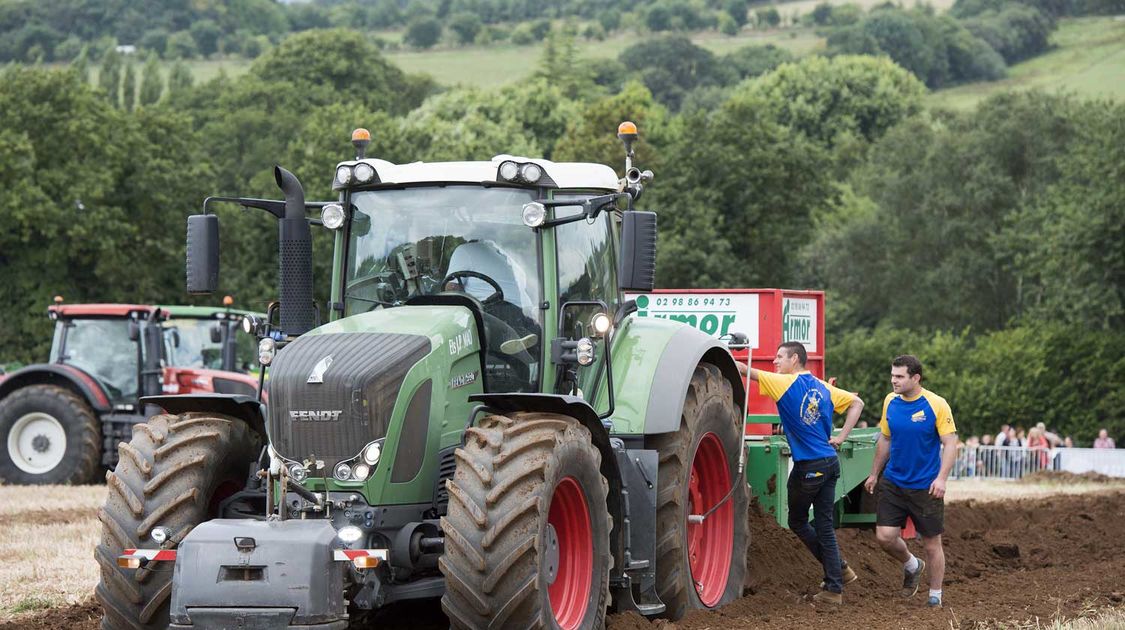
x=710, y=543
x=570, y=518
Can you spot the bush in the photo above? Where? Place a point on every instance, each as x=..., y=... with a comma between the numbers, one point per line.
x=767, y=18
x=522, y=35
x=1017, y=32
x=466, y=27
x=181, y=46
x=753, y=61
x=423, y=32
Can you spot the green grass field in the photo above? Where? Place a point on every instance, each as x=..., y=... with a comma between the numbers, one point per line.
x=494, y=66
x=1088, y=60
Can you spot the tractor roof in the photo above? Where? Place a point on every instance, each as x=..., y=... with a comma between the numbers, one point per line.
x=204, y=312
x=100, y=310
x=581, y=175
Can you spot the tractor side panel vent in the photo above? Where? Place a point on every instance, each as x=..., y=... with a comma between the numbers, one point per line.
x=355, y=382
x=446, y=468
x=411, y=449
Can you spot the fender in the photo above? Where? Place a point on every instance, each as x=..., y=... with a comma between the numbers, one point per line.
x=245, y=408
x=61, y=375
x=572, y=406
x=653, y=364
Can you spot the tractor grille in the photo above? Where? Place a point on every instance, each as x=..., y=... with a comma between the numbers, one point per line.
x=332, y=420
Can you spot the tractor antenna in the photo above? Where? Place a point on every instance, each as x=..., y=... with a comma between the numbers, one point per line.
x=627, y=133
x=360, y=139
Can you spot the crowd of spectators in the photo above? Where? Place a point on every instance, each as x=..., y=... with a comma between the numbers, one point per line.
x=1037, y=450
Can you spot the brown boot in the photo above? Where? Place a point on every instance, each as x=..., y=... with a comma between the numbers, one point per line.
x=828, y=597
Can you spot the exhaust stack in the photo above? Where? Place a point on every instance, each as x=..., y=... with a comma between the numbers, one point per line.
x=298, y=312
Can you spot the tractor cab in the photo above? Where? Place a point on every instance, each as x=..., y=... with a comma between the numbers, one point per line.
x=118, y=345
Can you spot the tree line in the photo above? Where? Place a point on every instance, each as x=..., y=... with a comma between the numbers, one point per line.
x=988, y=242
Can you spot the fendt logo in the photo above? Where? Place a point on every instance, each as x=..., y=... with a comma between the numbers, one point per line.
x=315, y=416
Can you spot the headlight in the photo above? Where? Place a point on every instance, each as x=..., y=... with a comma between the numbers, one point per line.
x=332, y=215
x=361, y=471
x=343, y=471
x=298, y=472
x=509, y=170
x=534, y=213
x=349, y=534
x=600, y=324
x=531, y=173
x=343, y=174
x=371, y=453
x=364, y=172
x=267, y=348
x=585, y=351
x=247, y=325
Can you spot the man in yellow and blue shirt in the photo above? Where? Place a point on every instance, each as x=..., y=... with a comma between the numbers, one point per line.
x=915, y=427
x=805, y=405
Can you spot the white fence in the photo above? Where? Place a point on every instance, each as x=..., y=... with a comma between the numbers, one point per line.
x=1013, y=462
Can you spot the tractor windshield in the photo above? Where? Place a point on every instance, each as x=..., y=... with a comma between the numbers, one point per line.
x=189, y=343
x=101, y=348
x=452, y=239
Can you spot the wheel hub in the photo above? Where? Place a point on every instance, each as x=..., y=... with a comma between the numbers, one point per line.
x=37, y=443
x=552, y=559
x=41, y=443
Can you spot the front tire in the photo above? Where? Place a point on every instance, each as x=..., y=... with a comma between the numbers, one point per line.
x=48, y=435
x=701, y=565
x=527, y=532
x=171, y=475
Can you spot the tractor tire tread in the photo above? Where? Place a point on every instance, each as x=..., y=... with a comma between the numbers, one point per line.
x=190, y=455
x=491, y=564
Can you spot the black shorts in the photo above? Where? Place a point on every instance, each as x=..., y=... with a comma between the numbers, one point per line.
x=895, y=504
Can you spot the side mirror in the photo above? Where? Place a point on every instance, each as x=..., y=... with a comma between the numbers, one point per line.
x=202, y=253
x=637, y=268
x=134, y=331
x=217, y=333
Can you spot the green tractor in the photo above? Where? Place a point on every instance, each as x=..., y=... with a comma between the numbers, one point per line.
x=482, y=419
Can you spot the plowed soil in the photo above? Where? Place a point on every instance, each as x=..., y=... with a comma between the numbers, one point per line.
x=1008, y=561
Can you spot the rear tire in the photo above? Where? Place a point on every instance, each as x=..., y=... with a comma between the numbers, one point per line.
x=171, y=475
x=54, y=434
x=527, y=532
x=710, y=430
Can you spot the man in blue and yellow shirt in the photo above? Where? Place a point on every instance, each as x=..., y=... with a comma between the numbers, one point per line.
x=916, y=424
x=805, y=404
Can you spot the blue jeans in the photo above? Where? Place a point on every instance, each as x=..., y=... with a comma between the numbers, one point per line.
x=813, y=483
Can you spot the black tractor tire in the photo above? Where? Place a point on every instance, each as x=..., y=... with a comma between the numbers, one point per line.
x=709, y=409
x=498, y=564
x=83, y=455
x=170, y=475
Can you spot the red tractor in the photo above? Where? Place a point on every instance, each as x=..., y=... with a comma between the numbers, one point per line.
x=61, y=421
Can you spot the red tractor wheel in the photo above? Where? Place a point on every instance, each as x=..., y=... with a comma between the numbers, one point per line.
x=527, y=532
x=702, y=529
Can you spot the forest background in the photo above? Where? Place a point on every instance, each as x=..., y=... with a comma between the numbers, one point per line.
x=888, y=154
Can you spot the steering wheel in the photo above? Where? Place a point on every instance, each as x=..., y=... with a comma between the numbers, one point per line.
x=492, y=298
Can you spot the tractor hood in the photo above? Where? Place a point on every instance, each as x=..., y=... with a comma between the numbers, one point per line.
x=334, y=389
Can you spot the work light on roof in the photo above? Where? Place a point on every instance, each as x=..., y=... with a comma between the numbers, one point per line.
x=531, y=172
x=343, y=175
x=364, y=172
x=509, y=170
